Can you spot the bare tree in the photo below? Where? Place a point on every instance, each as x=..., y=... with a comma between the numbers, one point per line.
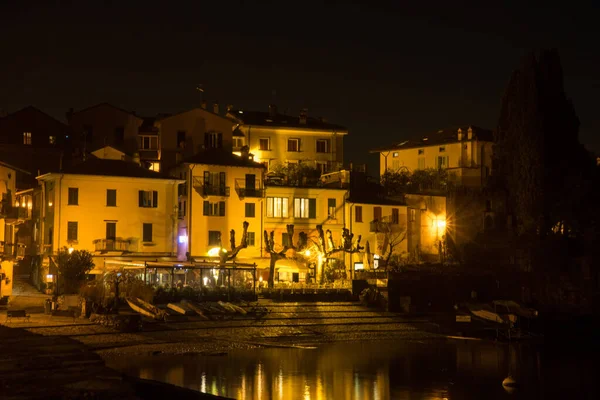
x=228, y=256
x=326, y=247
x=392, y=239
x=282, y=254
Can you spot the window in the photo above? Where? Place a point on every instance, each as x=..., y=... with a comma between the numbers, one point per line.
x=421, y=161
x=214, y=238
x=52, y=139
x=331, y=208
x=216, y=209
x=111, y=197
x=322, y=167
x=395, y=216
x=442, y=149
x=421, y=152
x=148, y=198
x=73, y=199
x=442, y=162
x=111, y=230
x=154, y=166
x=26, y=137
x=293, y=145
x=238, y=142
x=250, y=210
x=181, y=139
x=285, y=240
x=213, y=140
x=251, y=239
x=148, y=142
x=263, y=144
x=305, y=208
x=147, y=232
x=277, y=207
x=395, y=154
x=395, y=165
x=119, y=135
x=322, y=145
x=182, y=209
x=358, y=214
x=71, y=230
x=377, y=213
x=413, y=214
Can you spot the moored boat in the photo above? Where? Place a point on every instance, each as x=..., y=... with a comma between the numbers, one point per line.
x=145, y=308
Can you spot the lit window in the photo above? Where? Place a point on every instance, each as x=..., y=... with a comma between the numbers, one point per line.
x=154, y=166
x=52, y=139
x=304, y=208
x=238, y=142
x=26, y=137
x=293, y=145
x=148, y=142
x=331, y=207
x=322, y=146
x=148, y=198
x=263, y=144
x=277, y=207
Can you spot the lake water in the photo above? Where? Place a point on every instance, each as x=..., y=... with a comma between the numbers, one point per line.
x=453, y=369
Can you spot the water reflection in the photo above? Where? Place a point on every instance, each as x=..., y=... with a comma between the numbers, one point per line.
x=377, y=370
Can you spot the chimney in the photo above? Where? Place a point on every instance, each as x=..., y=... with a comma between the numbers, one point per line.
x=203, y=104
x=470, y=133
x=460, y=134
x=272, y=110
x=136, y=158
x=216, y=107
x=303, y=116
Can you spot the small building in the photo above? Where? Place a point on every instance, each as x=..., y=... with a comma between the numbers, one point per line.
x=465, y=153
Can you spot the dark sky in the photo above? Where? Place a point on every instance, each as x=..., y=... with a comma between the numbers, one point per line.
x=385, y=70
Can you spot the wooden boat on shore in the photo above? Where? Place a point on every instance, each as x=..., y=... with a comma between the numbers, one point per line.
x=146, y=308
x=513, y=307
x=180, y=308
x=198, y=310
x=486, y=313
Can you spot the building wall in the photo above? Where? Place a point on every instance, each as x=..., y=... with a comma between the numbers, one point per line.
x=92, y=213
x=235, y=212
x=429, y=226
x=398, y=233
x=278, y=138
x=105, y=120
x=195, y=123
x=41, y=126
x=7, y=193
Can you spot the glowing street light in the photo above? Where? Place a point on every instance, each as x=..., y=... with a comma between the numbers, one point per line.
x=307, y=253
x=71, y=250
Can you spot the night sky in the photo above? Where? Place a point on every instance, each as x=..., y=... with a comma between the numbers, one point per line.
x=385, y=71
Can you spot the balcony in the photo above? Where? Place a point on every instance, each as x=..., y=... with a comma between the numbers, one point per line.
x=15, y=214
x=210, y=190
x=104, y=245
x=256, y=191
x=13, y=250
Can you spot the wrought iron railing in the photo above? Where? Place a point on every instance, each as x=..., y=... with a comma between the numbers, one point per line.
x=243, y=191
x=111, y=244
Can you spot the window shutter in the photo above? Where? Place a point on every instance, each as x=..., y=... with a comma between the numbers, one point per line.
x=222, y=208
x=154, y=199
x=206, y=140
x=220, y=140
x=206, y=208
x=312, y=208
x=141, y=198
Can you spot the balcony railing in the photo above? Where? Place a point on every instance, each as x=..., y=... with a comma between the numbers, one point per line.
x=243, y=191
x=11, y=213
x=210, y=190
x=111, y=244
x=13, y=250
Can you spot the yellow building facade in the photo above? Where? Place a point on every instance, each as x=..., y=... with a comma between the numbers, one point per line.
x=222, y=191
x=466, y=153
x=111, y=208
x=277, y=139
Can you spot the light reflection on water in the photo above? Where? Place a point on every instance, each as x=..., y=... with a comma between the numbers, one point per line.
x=376, y=370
